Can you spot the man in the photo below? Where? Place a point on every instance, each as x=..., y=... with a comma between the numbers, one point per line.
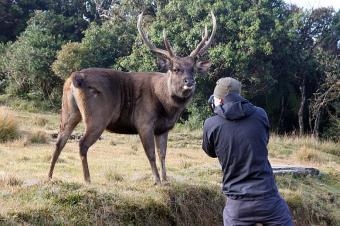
x=238, y=135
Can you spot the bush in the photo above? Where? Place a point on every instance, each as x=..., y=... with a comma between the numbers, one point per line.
x=3, y=74
x=8, y=126
x=333, y=130
x=28, y=60
x=100, y=47
x=69, y=59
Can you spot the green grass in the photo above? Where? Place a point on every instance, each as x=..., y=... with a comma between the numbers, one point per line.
x=313, y=200
x=122, y=190
x=70, y=203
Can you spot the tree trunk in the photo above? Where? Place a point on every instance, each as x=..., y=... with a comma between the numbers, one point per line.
x=281, y=120
x=302, y=107
x=316, y=129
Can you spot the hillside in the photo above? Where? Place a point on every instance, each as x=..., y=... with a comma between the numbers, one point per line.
x=122, y=190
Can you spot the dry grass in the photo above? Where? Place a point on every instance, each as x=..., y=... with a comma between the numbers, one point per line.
x=8, y=125
x=122, y=190
x=308, y=155
x=10, y=180
x=113, y=176
x=38, y=137
x=306, y=150
x=40, y=121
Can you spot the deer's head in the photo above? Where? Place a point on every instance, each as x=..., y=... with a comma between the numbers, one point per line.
x=181, y=70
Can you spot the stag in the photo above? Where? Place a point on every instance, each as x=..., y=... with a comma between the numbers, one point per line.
x=144, y=103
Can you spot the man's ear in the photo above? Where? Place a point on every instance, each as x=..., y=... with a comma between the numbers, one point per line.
x=203, y=66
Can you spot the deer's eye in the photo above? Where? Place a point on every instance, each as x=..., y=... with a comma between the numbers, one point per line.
x=177, y=70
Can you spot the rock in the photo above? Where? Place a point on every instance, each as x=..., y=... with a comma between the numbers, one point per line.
x=295, y=170
x=75, y=136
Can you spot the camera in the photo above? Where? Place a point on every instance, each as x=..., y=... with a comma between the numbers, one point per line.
x=211, y=103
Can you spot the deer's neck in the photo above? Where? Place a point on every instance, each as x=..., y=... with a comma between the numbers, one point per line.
x=171, y=101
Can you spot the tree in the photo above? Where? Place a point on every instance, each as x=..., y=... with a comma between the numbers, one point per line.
x=28, y=60
x=326, y=99
x=70, y=58
x=311, y=28
x=15, y=14
x=247, y=45
x=101, y=47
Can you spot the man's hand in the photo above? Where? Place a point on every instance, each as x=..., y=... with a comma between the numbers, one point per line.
x=211, y=103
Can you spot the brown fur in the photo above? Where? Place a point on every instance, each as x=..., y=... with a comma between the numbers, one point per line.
x=148, y=104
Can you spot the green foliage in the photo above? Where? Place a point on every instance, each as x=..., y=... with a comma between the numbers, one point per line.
x=70, y=58
x=28, y=59
x=245, y=46
x=3, y=75
x=29, y=105
x=332, y=131
x=270, y=46
x=105, y=43
x=100, y=47
x=15, y=14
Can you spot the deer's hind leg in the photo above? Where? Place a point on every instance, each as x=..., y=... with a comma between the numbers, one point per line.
x=70, y=117
x=96, y=120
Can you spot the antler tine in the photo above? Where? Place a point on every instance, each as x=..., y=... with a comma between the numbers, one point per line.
x=205, y=32
x=208, y=43
x=204, y=44
x=200, y=45
x=167, y=44
x=146, y=40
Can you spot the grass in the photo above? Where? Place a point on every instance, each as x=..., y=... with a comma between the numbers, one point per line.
x=308, y=154
x=8, y=125
x=38, y=137
x=122, y=190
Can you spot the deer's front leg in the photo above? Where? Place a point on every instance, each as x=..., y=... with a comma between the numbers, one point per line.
x=161, y=143
x=147, y=137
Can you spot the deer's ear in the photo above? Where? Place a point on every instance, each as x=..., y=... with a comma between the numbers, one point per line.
x=203, y=66
x=164, y=64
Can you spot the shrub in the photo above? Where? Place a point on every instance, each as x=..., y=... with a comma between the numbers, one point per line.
x=70, y=58
x=100, y=47
x=28, y=60
x=3, y=74
x=38, y=137
x=8, y=126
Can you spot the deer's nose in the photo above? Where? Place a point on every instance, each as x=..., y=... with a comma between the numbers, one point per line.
x=189, y=82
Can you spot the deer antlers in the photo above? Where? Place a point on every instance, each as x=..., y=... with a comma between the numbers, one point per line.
x=200, y=49
x=204, y=44
x=168, y=53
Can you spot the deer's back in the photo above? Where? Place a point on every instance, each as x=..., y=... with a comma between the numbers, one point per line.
x=128, y=98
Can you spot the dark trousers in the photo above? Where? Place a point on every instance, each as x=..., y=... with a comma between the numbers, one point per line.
x=269, y=211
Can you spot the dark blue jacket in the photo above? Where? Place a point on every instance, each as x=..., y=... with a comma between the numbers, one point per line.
x=238, y=136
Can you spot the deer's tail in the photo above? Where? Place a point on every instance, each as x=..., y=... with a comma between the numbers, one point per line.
x=77, y=79
x=69, y=109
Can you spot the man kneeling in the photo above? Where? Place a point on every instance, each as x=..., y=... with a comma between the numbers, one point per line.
x=238, y=135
